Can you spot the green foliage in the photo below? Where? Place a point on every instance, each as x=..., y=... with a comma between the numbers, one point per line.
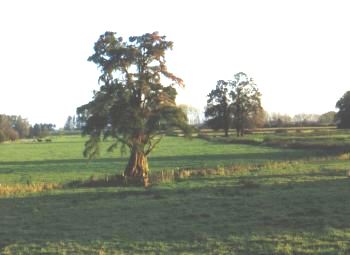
x=245, y=101
x=343, y=115
x=41, y=130
x=3, y=137
x=327, y=118
x=235, y=102
x=70, y=123
x=13, y=128
x=219, y=110
x=133, y=105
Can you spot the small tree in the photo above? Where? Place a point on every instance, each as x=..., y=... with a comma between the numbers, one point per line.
x=70, y=123
x=343, y=115
x=133, y=105
x=219, y=109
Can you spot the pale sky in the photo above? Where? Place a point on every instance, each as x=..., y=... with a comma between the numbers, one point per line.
x=297, y=51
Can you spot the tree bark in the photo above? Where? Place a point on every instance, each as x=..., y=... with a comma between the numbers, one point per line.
x=137, y=167
x=242, y=132
x=226, y=132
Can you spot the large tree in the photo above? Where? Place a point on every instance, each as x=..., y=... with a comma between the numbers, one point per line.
x=246, y=102
x=219, y=109
x=343, y=115
x=233, y=103
x=136, y=100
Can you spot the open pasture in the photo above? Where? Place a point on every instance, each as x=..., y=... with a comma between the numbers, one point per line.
x=61, y=160
x=297, y=202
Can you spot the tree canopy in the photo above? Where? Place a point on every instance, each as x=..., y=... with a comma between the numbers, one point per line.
x=219, y=108
x=343, y=114
x=234, y=103
x=13, y=127
x=327, y=118
x=135, y=104
x=245, y=101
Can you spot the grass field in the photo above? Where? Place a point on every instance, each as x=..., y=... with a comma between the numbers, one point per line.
x=62, y=161
x=296, y=202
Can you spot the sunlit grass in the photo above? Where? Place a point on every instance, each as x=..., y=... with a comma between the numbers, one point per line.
x=62, y=161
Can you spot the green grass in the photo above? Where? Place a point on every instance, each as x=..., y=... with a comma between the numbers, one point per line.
x=332, y=141
x=297, y=203
x=296, y=210
x=61, y=161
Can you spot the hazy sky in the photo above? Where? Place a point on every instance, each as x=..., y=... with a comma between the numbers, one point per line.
x=297, y=51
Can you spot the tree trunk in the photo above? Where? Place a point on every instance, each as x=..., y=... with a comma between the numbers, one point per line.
x=226, y=132
x=242, y=132
x=137, y=167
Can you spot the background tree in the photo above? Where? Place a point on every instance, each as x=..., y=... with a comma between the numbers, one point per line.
x=278, y=120
x=6, y=128
x=70, y=123
x=219, y=110
x=13, y=127
x=192, y=114
x=133, y=106
x=81, y=119
x=327, y=118
x=22, y=126
x=246, y=101
x=258, y=119
x=343, y=115
x=304, y=119
x=41, y=130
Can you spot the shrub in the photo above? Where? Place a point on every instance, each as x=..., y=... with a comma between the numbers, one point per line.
x=12, y=134
x=281, y=131
x=3, y=137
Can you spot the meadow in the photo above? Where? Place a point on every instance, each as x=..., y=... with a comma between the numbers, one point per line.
x=263, y=198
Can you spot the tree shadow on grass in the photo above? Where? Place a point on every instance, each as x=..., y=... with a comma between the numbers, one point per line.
x=198, y=212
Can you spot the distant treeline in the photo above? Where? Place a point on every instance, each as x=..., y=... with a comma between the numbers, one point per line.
x=299, y=120
x=75, y=122
x=15, y=127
